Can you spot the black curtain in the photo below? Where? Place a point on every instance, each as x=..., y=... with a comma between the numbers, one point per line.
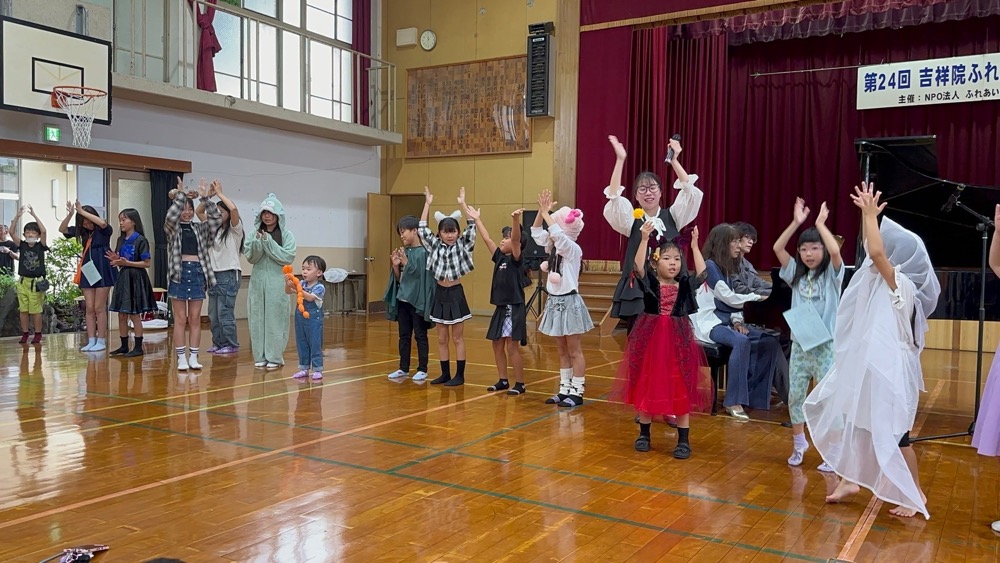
x=160, y=182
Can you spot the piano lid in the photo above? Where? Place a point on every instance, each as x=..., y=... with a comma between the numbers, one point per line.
x=905, y=170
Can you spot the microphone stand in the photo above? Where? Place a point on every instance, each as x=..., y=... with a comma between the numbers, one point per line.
x=983, y=226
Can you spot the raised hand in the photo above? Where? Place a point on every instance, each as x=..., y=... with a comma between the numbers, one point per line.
x=428, y=196
x=545, y=201
x=516, y=214
x=461, y=196
x=30, y=210
x=473, y=213
x=676, y=146
x=180, y=184
x=694, y=236
x=823, y=214
x=215, y=188
x=866, y=199
x=78, y=206
x=619, y=148
x=646, y=229
x=801, y=212
x=172, y=194
x=70, y=207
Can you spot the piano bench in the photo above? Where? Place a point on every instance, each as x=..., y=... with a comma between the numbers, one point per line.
x=717, y=356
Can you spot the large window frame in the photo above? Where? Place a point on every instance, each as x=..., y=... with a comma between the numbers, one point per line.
x=296, y=82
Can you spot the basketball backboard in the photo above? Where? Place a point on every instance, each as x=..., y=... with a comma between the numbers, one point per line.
x=35, y=58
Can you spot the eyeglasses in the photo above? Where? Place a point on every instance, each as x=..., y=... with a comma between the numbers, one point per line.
x=650, y=189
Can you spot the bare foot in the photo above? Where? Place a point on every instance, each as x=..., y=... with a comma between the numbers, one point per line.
x=903, y=512
x=844, y=489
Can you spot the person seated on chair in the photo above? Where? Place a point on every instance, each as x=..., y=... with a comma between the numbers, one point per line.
x=747, y=280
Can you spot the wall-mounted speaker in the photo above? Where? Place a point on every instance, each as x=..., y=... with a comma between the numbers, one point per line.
x=541, y=89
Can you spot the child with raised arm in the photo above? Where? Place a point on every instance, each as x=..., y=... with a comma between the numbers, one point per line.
x=508, y=328
x=565, y=317
x=94, y=273
x=861, y=414
x=31, y=269
x=661, y=372
x=815, y=275
x=449, y=258
x=409, y=297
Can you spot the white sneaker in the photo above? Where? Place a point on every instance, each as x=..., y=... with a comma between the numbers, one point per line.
x=272, y=365
x=825, y=468
x=259, y=364
x=797, y=456
x=399, y=374
x=182, y=363
x=193, y=362
x=420, y=376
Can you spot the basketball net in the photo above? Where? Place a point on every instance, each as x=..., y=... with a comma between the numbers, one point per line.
x=81, y=105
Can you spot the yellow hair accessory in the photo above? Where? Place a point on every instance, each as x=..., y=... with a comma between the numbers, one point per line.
x=656, y=255
x=638, y=213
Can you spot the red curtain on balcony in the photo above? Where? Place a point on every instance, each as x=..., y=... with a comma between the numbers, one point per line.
x=362, y=43
x=208, y=45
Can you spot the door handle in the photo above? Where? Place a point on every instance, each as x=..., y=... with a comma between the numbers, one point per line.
x=369, y=258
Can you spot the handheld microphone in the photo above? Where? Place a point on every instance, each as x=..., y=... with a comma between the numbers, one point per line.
x=953, y=199
x=670, y=152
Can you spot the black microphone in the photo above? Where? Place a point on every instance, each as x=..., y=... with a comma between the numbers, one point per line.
x=670, y=152
x=950, y=204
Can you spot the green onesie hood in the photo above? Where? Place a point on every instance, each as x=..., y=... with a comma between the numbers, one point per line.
x=273, y=204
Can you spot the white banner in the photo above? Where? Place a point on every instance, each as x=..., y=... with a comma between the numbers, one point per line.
x=935, y=81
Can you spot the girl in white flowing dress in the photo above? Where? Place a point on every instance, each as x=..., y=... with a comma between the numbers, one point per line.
x=861, y=414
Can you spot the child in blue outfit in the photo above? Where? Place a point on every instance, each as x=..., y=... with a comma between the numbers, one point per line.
x=309, y=331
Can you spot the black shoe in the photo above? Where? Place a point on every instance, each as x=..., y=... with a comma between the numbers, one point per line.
x=682, y=451
x=119, y=351
x=642, y=443
x=556, y=399
x=517, y=389
x=571, y=401
x=455, y=381
x=441, y=379
x=499, y=386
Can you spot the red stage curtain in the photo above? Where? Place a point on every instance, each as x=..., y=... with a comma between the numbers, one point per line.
x=602, y=110
x=673, y=87
x=361, y=41
x=793, y=134
x=836, y=18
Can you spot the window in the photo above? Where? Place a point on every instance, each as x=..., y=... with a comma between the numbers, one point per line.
x=9, y=191
x=330, y=18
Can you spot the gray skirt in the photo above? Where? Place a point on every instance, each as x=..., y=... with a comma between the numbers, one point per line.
x=565, y=315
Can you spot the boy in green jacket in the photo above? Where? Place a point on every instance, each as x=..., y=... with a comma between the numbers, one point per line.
x=408, y=298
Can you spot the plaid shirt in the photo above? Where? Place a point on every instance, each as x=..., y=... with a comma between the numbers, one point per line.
x=448, y=263
x=204, y=231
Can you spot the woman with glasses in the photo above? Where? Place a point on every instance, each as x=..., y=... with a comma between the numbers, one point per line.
x=667, y=223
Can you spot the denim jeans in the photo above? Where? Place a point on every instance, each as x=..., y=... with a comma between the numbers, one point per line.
x=309, y=340
x=222, y=308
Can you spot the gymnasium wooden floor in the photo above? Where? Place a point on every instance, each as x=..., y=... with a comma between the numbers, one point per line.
x=237, y=464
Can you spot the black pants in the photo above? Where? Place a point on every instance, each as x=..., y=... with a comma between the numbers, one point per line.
x=410, y=324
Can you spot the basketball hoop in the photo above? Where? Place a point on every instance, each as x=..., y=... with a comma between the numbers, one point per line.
x=81, y=104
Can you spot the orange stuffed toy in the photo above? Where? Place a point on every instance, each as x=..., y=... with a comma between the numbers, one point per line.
x=298, y=289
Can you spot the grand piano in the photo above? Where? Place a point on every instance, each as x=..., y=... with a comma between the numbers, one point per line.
x=905, y=170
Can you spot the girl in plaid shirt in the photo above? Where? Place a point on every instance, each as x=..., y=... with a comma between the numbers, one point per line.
x=449, y=257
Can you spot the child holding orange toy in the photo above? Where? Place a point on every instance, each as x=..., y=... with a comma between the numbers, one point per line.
x=308, y=316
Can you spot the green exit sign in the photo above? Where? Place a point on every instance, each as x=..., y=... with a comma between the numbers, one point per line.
x=52, y=133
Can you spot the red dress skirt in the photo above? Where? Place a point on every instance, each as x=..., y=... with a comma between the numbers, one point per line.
x=664, y=370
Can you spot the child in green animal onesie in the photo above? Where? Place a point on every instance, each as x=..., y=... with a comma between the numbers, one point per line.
x=269, y=308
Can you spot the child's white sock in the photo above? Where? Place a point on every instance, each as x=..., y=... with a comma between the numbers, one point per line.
x=800, y=441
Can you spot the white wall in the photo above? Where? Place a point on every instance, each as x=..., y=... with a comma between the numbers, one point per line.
x=36, y=191
x=323, y=184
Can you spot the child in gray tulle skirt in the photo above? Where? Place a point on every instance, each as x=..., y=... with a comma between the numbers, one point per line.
x=565, y=317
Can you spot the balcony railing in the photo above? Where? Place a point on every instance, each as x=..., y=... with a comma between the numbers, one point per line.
x=262, y=59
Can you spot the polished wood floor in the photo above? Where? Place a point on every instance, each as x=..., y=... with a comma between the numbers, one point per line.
x=238, y=464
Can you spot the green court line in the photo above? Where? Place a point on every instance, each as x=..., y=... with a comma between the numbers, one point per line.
x=494, y=494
